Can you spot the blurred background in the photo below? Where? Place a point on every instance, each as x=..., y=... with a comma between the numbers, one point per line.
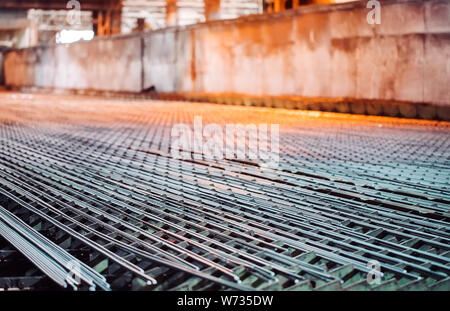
x=30, y=22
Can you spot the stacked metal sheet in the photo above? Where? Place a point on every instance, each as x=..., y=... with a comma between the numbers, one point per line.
x=355, y=203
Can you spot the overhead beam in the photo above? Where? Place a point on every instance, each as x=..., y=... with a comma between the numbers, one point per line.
x=90, y=5
x=20, y=23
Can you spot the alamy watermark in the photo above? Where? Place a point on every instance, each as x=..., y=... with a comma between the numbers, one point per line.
x=374, y=15
x=74, y=13
x=255, y=142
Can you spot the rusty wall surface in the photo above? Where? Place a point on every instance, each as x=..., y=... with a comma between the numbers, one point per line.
x=321, y=52
x=113, y=65
x=316, y=51
x=1, y=68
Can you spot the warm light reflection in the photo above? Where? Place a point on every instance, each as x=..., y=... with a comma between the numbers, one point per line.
x=70, y=36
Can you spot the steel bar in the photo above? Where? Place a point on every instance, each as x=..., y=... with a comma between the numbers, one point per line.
x=100, y=177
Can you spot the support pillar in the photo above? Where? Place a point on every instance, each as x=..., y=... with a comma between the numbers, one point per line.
x=171, y=13
x=107, y=22
x=212, y=9
x=116, y=21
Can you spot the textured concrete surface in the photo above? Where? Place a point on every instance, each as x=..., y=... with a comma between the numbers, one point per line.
x=2, y=79
x=112, y=64
x=312, y=52
x=323, y=52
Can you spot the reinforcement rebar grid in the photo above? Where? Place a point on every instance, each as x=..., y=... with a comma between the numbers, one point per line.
x=92, y=181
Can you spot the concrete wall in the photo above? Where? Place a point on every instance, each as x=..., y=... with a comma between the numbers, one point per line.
x=2, y=79
x=315, y=51
x=113, y=64
x=318, y=51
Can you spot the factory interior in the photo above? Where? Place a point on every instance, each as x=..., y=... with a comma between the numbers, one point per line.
x=224, y=145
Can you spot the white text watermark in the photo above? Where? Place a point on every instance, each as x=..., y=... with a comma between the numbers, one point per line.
x=255, y=142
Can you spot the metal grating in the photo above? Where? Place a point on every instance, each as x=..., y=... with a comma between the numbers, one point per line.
x=94, y=180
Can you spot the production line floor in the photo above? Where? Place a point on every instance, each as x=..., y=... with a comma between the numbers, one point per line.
x=89, y=189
